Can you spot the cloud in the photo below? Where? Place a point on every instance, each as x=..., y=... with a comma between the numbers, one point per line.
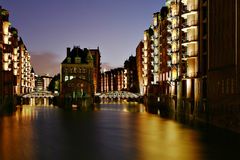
x=106, y=67
x=45, y=63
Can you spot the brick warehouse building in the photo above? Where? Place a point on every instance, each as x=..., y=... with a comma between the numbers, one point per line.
x=77, y=85
x=16, y=73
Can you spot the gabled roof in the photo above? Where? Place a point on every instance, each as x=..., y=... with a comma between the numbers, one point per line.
x=77, y=52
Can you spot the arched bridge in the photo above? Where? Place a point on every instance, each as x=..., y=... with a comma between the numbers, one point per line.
x=38, y=98
x=118, y=95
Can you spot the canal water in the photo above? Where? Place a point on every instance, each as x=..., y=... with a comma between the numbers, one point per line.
x=110, y=132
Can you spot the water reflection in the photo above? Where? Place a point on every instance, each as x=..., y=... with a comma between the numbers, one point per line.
x=125, y=107
x=146, y=136
x=112, y=131
x=16, y=135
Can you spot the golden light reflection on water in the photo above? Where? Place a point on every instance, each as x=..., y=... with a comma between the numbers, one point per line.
x=165, y=139
x=118, y=131
x=26, y=113
x=16, y=135
x=151, y=136
x=125, y=107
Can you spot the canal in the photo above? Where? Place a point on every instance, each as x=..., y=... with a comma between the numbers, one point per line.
x=110, y=132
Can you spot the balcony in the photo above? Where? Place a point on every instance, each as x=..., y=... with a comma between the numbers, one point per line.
x=169, y=51
x=169, y=63
x=169, y=39
x=189, y=39
x=175, y=49
x=169, y=17
x=169, y=27
x=156, y=42
x=175, y=25
x=155, y=54
x=184, y=55
x=152, y=54
x=175, y=38
x=143, y=56
x=191, y=54
x=189, y=25
x=152, y=46
x=154, y=63
x=189, y=10
x=144, y=71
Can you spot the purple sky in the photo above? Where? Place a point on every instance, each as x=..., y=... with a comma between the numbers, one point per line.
x=49, y=26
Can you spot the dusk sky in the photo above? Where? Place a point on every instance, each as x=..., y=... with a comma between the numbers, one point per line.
x=49, y=26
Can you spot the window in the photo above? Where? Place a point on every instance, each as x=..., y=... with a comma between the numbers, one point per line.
x=77, y=60
x=66, y=78
x=68, y=59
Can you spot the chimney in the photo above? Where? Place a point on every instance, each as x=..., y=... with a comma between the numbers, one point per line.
x=68, y=52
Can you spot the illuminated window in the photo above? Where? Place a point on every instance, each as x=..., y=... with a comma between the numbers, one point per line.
x=5, y=57
x=155, y=21
x=66, y=78
x=174, y=74
x=174, y=58
x=175, y=22
x=145, y=36
x=6, y=27
x=15, y=72
x=174, y=46
x=175, y=9
x=174, y=34
x=5, y=66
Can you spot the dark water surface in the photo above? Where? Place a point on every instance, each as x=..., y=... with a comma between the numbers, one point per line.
x=110, y=132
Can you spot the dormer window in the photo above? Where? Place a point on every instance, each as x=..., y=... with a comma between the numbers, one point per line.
x=68, y=59
x=77, y=59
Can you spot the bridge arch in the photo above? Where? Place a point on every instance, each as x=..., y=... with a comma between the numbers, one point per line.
x=37, y=98
x=118, y=95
